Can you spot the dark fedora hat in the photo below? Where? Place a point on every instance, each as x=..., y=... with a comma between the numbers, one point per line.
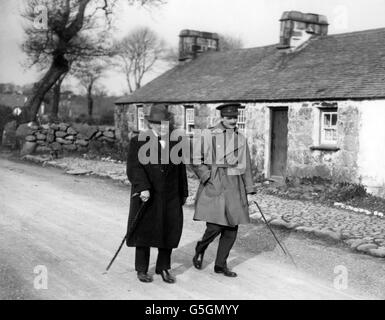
x=158, y=113
x=229, y=109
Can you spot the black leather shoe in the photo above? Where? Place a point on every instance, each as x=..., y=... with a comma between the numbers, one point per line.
x=144, y=276
x=166, y=276
x=226, y=272
x=198, y=260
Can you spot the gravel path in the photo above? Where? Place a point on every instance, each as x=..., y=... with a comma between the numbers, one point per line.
x=72, y=225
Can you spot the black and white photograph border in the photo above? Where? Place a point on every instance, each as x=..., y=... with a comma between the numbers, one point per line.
x=293, y=90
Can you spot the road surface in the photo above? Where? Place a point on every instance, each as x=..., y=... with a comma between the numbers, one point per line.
x=70, y=226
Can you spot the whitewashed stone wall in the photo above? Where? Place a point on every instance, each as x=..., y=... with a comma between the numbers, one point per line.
x=371, y=155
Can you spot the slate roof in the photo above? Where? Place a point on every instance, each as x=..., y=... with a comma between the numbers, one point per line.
x=342, y=66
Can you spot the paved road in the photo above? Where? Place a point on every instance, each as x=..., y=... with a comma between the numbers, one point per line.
x=73, y=225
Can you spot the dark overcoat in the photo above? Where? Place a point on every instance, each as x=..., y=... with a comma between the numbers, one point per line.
x=161, y=223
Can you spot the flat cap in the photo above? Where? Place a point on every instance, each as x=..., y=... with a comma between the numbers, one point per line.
x=229, y=109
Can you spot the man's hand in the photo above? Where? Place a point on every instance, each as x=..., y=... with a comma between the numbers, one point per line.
x=145, y=195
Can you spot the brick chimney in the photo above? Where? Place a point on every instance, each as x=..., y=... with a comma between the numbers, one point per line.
x=298, y=27
x=192, y=43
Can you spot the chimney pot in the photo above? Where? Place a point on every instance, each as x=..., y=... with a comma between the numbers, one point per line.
x=192, y=43
x=298, y=27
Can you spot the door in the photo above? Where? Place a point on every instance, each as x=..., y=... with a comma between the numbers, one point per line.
x=279, y=141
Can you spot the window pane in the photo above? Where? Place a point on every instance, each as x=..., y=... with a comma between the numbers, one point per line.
x=328, y=135
x=241, y=117
x=334, y=119
x=327, y=120
x=334, y=135
x=140, y=114
x=190, y=115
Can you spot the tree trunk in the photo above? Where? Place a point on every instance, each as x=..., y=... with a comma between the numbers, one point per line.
x=1, y=135
x=56, y=98
x=58, y=67
x=90, y=100
x=55, y=102
x=129, y=83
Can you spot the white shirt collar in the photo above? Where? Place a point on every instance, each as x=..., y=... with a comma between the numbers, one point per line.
x=161, y=141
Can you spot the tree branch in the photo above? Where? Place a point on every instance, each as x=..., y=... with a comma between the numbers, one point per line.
x=77, y=24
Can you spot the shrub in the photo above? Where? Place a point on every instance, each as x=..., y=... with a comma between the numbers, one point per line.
x=345, y=191
x=5, y=115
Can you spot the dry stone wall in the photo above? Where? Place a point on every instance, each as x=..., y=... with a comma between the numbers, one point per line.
x=63, y=137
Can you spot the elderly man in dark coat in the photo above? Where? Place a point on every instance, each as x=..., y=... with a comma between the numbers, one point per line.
x=222, y=164
x=160, y=186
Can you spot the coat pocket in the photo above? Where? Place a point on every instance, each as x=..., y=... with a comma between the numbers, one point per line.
x=213, y=186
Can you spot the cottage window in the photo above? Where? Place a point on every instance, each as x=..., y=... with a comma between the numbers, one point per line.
x=328, y=134
x=242, y=119
x=140, y=117
x=189, y=119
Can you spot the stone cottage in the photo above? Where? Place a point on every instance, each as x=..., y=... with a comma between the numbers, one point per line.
x=314, y=103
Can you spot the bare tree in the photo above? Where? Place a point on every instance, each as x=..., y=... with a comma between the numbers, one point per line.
x=228, y=42
x=56, y=93
x=137, y=54
x=70, y=31
x=88, y=73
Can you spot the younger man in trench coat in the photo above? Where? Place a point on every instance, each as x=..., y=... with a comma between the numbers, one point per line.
x=225, y=180
x=163, y=189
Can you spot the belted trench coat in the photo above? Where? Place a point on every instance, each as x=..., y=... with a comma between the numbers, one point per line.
x=221, y=160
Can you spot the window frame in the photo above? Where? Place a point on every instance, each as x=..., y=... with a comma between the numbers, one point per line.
x=187, y=109
x=140, y=110
x=322, y=134
x=241, y=116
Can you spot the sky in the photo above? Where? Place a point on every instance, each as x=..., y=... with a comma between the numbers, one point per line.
x=256, y=22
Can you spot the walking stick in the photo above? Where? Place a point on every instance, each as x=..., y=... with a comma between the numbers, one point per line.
x=116, y=254
x=286, y=252
x=128, y=234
